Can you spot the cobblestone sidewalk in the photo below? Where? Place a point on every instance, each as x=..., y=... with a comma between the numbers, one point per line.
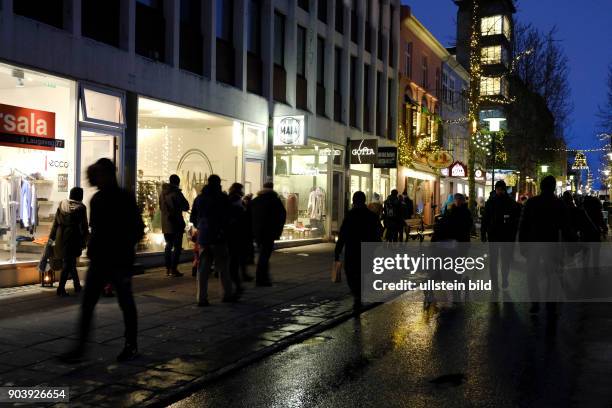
x=180, y=344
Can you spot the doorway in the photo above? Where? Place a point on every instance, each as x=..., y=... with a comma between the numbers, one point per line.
x=253, y=175
x=95, y=145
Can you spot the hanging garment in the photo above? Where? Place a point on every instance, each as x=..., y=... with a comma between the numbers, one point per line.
x=316, y=200
x=25, y=207
x=5, y=198
x=292, y=208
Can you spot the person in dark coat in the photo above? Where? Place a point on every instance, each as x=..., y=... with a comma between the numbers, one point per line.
x=456, y=224
x=248, y=230
x=116, y=227
x=210, y=214
x=237, y=238
x=268, y=220
x=359, y=225
x=545, y=219
x=392, y=216
x=172, y=203
x=595, y=227
x=70, y=232
x=499, y=225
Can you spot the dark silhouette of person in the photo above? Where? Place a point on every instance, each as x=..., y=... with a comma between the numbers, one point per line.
x=500, y=225
x=210, y=214
x=456, y=225
x=70, y=232
x=545, y=219
x=268, y=219
x=116, y=227
x=392, y=216
x=172, y=203
x=359, y=225
x=248, y=231
x=237, y=236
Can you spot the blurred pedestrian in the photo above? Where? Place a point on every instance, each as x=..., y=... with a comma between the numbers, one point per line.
x=447, y=204
x=268, y=220
x=392, y=215
x=70, y=232
x=359, y=225
x=210, y=215
x=172, y=204
x=456, y=224
x=248, y=230
x=237, y=238
x=116, y=227
x=499, y=227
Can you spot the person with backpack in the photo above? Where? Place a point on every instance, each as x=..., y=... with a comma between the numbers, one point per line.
x=69, y=233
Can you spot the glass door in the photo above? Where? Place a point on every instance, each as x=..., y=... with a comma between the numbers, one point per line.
x=95, y=145
x=253, y=176
x=337, y=201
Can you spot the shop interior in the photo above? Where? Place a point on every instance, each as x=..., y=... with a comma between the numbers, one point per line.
x=186, y=142
x=34, y=181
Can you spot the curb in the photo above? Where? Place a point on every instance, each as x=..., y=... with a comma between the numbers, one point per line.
x=185, y=390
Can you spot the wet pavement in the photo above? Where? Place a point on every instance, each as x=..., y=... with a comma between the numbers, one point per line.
x=180, y=344
x=400, y=355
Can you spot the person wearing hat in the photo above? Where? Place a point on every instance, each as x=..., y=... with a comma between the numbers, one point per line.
x=500, y=224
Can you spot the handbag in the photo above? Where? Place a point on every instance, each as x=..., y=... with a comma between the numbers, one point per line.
x=336, y=275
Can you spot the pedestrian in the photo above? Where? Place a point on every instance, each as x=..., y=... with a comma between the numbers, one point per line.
x=116, y=227
x=545, y=219
x=392, y=215
x=409, y=206
x=210, y=215
x=248, y=230
x=359, y=225
x=69, y=233
x=268, y=220
x=499, y=226
x=447, y=204
x=237, y=238
x=456, y=225
x=595, y=228
x=172, y=204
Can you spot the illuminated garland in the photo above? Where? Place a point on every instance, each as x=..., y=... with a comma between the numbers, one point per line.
x=425, y=146
x=404, y=155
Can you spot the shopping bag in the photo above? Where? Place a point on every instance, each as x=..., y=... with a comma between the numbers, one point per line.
x=337, y=272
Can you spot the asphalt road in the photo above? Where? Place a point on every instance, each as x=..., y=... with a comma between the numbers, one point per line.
x=399, y=355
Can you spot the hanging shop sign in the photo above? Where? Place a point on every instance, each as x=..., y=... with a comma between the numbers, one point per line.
x=363, y=151
x=479, y=174
x=290, y=131
x=28, y=128
x=444, y=172
x=440, y=159
x=386, y=157
x=458, y=169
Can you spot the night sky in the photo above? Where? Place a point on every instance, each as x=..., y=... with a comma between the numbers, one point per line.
x=585, y=29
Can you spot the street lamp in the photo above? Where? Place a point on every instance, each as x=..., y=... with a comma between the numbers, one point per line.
x=495, y=120
x=544, y=168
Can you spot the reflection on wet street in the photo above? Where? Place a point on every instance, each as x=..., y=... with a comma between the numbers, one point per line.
x=400, y=355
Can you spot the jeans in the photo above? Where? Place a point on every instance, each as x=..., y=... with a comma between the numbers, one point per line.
x=262, y=273
x=216, y=254
x=121, y=278
x=173, y=241
x=69, y=269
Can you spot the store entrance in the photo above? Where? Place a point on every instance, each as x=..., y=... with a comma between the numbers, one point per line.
x=253, y=176
x=96, y=145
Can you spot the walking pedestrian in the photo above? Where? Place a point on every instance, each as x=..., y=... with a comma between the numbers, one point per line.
x=70, y=232
x=268, y=220
x=499, y=226
x=248, y=230
x=359, y=225
x=172, y=204
x=210, y=213
x=392, y=215
x=545, y=219
x=237, y=239
x=456, y=224
x=116, y=227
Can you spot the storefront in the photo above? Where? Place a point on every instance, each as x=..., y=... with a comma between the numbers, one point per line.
x=362, y=158
x=420, y=184
x=309, y=177
x=37, y=157
x=192, y=144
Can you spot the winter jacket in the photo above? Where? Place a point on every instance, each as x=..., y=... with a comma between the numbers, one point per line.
x=237, y=233
x=393, y=212
x=456, y=224
x=594, y=226
x=116, y=227
x=172, y=203
x=210, y=215
x=268, y=216
x=359, y=225
x=70, y=230
x=545, y=219
x=500, y=219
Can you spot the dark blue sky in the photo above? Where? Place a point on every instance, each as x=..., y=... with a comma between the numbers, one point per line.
x=585, y=29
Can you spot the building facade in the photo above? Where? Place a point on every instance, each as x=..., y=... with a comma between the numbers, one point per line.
x=252, y=90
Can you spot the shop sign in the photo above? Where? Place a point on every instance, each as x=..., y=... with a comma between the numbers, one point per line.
x=479, y=174
x=28, y=128
x=458, y=169
x=444, y=172
x=289, y=131
x=364, y=151
x=330, y=152
x=62, y=182
x=440, y=159
x=386, y=158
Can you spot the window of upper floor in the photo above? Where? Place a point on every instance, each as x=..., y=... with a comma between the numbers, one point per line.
x=495, y=54
x=493, y=86
x=496, y=25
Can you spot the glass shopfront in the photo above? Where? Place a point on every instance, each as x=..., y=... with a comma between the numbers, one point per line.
x=193, y=145
x=37, y=157
x=420, y=187
x=309, y=180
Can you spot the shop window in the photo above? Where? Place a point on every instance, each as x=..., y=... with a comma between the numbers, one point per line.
x=49, y=11
x=101, y=107
x=100, y=21
x=186, y=142
x=150, y=29
x=191, y=41
x=37, y=174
